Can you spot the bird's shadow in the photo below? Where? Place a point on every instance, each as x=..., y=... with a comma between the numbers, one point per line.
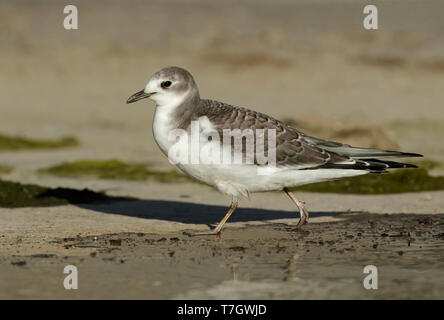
x=192, y=213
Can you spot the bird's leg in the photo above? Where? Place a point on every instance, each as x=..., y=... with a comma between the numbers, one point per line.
x=217, y=230
x=304, y=213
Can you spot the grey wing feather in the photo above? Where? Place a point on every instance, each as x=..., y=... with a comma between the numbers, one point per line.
x=356, y=152
x=295, y=149
x=292, y=150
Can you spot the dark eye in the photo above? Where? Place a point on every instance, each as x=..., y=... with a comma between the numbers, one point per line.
x=166, y=84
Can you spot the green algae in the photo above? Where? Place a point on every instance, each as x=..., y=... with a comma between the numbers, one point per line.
x=5, y=169
x=18, y=195
x=22, y=143
x=397, y=181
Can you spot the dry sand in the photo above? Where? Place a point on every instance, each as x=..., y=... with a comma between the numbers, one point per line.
x=297, y=60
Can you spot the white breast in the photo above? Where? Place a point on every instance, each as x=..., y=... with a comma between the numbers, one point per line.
x=163, y=126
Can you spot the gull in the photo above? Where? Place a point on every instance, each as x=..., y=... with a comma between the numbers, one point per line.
x=299, y=158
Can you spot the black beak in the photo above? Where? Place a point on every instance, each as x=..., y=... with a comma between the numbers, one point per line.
x=138, y=96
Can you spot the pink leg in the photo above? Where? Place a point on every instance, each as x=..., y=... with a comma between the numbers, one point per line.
x=218, y=229
x=303, y=212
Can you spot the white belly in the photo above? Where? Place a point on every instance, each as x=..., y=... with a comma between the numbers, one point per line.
x=239, y=180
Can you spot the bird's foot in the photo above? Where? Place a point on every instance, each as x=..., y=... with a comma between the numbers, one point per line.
x=304, y=215
x=304, y=218
x=302, y=211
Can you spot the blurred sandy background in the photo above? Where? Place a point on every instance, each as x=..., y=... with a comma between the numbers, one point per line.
x=291, y=59
x=309, y=62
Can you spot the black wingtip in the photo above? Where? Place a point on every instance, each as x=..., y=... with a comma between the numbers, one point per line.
x=391, y=164
x=372, y=165
x=410, y=154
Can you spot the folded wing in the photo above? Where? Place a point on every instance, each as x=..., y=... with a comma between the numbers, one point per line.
x=296, y=150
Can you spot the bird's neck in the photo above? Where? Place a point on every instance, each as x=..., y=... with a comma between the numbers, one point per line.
x=175, y=114
x=177, y=110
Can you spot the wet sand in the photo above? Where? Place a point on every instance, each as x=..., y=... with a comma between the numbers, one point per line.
x=321, y=261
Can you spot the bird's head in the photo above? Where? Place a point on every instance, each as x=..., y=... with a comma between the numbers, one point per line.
x=170, y=85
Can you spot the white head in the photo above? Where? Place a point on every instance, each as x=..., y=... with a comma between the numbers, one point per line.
x=169, y=86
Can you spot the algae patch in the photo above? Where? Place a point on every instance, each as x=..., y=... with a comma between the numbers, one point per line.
x=427, y=164
x=22, y=143
x=17, y=195
x=112, y=169
x=5, y=169
x=397, y=181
